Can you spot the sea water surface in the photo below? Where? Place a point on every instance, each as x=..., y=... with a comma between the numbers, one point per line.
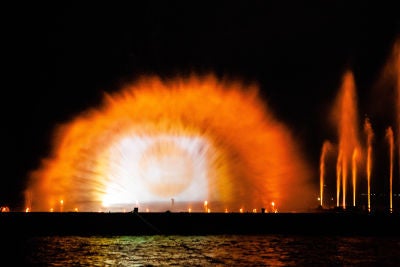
x=212, y=250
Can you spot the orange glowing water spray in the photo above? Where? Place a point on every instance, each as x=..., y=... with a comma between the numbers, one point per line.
x=345, y=114
x=389, y=136
x=370, y=136
x=188, y=139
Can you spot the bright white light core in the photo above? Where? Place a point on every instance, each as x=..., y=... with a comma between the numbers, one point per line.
x=155, y=169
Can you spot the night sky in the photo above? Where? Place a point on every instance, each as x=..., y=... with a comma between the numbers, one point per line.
x=58, y=60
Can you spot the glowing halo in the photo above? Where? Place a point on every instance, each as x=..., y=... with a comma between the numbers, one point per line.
x=186, y=140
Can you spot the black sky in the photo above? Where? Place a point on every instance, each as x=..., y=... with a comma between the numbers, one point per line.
x=57, y=60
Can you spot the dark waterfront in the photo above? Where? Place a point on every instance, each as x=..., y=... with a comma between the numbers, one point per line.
x=327, y=223
x=200, y=239
x=210, y=250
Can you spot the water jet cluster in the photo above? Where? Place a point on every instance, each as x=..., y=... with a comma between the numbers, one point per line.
x=353, y=151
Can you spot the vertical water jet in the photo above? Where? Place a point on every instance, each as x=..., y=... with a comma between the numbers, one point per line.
x=390, y=139
x=370, y=135
x=338, y=177
x=354, y=174
x=324, y=151
x=396, y=56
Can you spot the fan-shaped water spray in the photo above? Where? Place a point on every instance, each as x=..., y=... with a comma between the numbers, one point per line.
x=191, y=140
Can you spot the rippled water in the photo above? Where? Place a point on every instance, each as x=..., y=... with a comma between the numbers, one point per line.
x=232, y=250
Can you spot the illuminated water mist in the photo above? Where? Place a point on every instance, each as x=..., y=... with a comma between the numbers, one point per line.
x=189, y=141
x=370, y=135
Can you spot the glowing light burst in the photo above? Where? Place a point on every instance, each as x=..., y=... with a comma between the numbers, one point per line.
x=165, y=166
x=186, y=140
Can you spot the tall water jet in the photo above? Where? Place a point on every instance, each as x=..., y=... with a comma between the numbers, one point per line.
x=346, y=118
x=389, y=136
x=354, y=174
x=370, y=135
x=338, y=176
x=326, y=147
x=396, y=56
x=190, y=139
